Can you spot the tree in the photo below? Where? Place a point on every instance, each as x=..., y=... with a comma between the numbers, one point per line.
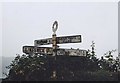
x=110, y=63
x=92, y=56
x=91, y=53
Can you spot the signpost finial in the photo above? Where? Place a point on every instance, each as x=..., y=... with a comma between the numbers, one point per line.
x=55, y=27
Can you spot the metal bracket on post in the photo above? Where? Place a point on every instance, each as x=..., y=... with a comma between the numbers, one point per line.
x=35, y=48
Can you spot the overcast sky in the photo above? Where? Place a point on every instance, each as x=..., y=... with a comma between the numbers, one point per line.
x=22, y=23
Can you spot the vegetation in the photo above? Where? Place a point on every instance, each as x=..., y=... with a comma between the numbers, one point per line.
x=64, y=68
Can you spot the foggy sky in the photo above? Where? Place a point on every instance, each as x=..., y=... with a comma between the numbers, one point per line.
x=22, y=23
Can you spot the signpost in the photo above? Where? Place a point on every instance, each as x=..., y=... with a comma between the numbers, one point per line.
x=48, y=51
x=60, y=40
x=43, y=42
x=54, y=50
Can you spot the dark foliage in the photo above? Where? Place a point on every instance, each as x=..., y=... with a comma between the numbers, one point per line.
x=68, y=68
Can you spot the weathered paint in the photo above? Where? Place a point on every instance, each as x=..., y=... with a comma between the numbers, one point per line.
x=49, y=51
x=60, y=40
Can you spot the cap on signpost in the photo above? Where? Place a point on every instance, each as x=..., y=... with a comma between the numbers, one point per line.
x=55, y=27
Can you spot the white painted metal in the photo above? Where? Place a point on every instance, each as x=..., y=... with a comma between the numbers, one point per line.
x=49, y=50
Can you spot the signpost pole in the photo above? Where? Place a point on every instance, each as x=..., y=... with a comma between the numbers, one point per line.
x=54, y=46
